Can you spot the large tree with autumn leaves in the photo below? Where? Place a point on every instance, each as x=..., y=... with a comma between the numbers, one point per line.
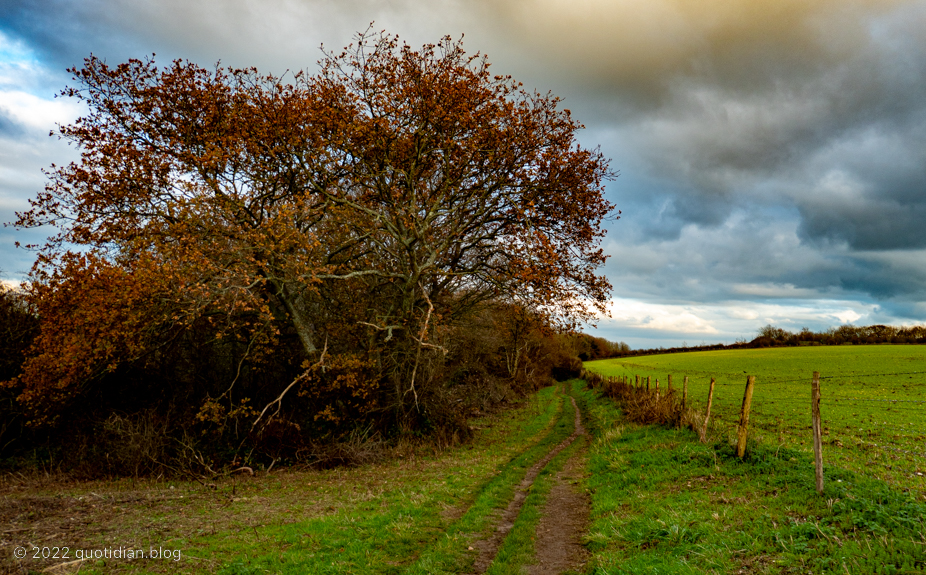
x=364, y=211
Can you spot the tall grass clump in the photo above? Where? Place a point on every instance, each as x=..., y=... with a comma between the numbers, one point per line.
x=645, y=406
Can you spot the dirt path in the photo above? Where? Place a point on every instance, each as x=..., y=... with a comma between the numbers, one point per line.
x=564, y=518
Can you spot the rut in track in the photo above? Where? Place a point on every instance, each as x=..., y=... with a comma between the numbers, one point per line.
x=564, y=518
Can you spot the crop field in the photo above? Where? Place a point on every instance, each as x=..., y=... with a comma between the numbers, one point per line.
x=873, y=401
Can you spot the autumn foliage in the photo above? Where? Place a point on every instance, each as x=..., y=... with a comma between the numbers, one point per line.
x=277, y=258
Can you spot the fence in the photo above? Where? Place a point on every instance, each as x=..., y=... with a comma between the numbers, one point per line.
x=870, y=423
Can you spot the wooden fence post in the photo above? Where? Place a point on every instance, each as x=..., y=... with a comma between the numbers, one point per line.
x=637, y=382
x=684, y=392
x=657, y=388
x=743, y=430
x=707, y=415
x=647, y=383
x=669, y=384
x=817, y=429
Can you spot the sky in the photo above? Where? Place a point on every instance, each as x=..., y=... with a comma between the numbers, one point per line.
x=772, y=153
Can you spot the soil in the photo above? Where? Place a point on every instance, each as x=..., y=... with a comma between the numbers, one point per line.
x=564, y=516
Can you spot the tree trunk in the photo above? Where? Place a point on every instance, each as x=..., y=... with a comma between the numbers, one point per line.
x=297, y=315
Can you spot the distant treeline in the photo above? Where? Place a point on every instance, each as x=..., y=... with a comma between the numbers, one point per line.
x=771, y=336
x=590, y=348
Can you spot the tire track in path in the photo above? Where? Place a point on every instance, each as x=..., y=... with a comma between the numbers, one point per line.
x=564, y=519
x=557, y=545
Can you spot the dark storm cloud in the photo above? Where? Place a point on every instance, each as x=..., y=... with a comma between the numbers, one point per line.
x=274, y=35
x=872, y=225
x=770, y=150
x=870, y=191
x=62, y=33
x=835, y=137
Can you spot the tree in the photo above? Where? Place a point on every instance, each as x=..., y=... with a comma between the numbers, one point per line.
x=363, y=209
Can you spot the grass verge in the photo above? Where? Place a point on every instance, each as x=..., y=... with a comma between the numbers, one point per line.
x=662, y=502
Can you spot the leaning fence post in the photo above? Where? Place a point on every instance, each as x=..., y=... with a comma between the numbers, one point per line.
x=707, y=415
x=817, y=429
x=744, y=417
x=637, y=382
x=647, y=383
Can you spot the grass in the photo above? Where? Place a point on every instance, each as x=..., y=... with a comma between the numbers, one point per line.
x=873, y=408
x=665, y=503
x=415, y=515
x=450, y=552
x=662, y=501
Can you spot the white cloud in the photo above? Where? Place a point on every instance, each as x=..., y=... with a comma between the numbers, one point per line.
x=38, y=113
x=640, y=323
x=659, y=317
x=28, y=112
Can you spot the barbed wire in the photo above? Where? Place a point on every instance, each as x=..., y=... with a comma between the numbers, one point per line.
x=796, y=399
x=804, y=380
x=842, y=376
x=877, y=400
x=885, y=424
x=898, y=450
x=801, y=379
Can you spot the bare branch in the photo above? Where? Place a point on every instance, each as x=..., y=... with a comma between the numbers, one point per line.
x=387, y=328
x=279, y=400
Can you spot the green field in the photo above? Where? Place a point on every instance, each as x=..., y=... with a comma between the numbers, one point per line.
x=873, y=406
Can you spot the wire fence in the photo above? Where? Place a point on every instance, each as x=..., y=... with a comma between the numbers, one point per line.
x=864, y=428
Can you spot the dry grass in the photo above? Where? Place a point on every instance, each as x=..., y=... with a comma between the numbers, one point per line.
x=646, y=406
